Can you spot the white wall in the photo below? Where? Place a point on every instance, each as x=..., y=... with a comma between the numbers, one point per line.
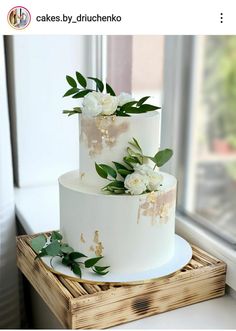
x=46, y=142
x=9, y=296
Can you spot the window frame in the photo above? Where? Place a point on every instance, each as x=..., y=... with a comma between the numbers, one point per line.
x=181, y=82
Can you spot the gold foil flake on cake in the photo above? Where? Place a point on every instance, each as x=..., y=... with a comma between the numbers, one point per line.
x=82, y=174
x=98, y=246
x=156, y=206
x=99, y=249
x=96, y=237
x=101, y=132
x=164, y=213
x=82, y=238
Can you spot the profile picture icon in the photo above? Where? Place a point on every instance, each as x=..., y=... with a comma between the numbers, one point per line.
x=19, y=17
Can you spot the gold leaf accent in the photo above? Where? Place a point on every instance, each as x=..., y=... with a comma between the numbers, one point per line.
x=82, y=175
x=100, y=132
x=157, y=206
x=96, y=237
x=82, y=238
x=99, y=249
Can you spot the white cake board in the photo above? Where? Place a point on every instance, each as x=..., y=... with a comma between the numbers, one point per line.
x=182, y=256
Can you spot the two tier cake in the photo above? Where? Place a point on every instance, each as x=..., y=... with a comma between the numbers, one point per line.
x=131, y=223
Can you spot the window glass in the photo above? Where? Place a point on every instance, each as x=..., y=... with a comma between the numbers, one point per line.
x=135, y=65
x=212, y=173
x=147, y=67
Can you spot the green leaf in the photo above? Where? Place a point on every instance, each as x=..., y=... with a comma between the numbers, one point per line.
x=124, y=172
x=130, y=160
x=71, y=91
x=38, y=243
x=116, y=186
x=41, y=254
x=76, y=255
x=109, y=170
x=101, y=172
x=56, y=236
x=98, y=268
x=76, y=269
x=71, y=81
x=135, y=110
x=72, y=112
x=81, y=94
x=98, y=82
x=101, y=273
x=91, y=262
x=81, y=80
x=119, y=166
x=162, y=157
x=66, y=260
x=142, y=100
x=66, y=249
x=114, y=190
x=110, y=90
x=147, y=107
x=121, y=113
x=53, y=249
x=128, y=105
x=135, y=144
x=132, y=154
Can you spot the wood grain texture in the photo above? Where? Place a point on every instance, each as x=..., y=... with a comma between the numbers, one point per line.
x=86, y=306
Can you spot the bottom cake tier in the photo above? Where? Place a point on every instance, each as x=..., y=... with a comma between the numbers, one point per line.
x=133, y=233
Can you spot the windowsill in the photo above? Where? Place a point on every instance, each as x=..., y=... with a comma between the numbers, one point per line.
x=37, y=209
x=208, y=241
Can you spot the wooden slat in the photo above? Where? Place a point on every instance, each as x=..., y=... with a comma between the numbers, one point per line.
x=104, y=316
x=75, y=288
x=91, y=288
x=123, y=293
x=79, y=305
x=45, y=283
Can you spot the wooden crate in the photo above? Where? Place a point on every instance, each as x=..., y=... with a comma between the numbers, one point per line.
x=87, y=306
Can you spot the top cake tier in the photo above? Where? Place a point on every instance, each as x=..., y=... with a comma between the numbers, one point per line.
x=104, y=139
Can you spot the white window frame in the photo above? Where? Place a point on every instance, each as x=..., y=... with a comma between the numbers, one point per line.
x=181, y=83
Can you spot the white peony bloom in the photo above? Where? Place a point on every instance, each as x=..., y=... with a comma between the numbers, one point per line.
x=143, y=169
x=135, y=183
x=124, y=98
x=154, y=180
x=96, y=103
x=109, y=104
x=92, y=105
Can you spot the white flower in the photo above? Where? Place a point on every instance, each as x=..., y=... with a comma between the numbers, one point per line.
x=154, y=178
x=124, y=98
x=109, y=104
x=135, y=183
x=142, y=169
x=96, y=103
x=92, y=104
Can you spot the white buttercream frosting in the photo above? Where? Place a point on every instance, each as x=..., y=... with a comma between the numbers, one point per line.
x=104, y=139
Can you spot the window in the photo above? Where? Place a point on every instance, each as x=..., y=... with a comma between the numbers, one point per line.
x=135, y=64
x=210, y=179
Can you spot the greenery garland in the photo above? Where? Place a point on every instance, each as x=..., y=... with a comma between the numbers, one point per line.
x=54, y=246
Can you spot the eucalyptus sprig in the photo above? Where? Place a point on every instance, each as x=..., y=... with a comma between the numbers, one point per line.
x=117, y=174
x=79, y=89
x=54, y=246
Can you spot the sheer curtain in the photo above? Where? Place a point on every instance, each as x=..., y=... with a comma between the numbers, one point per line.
x=9, y=294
